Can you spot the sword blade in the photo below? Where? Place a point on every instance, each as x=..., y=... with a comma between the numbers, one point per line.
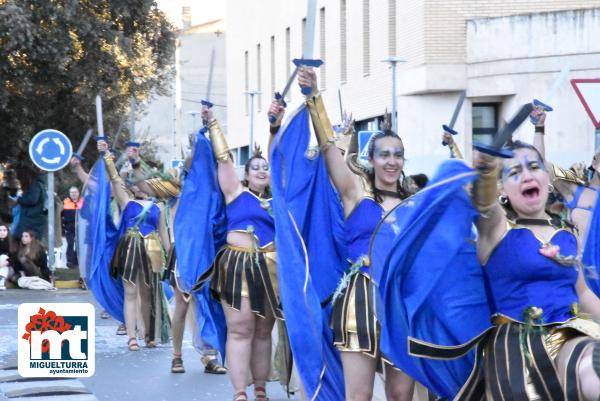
x=457, y=108
x=85, y=141
x=341, y=108
x=560, y=79
x=504, y=134
x=118, y=134
x=309, y=29
x=99, y=122
x=210, y=74
x=132, y=120
x=289, y=83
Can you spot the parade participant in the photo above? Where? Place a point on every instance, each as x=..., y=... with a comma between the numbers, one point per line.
x=244, y=275
x=578, y=190
x=71, y=205
x=138, y=257
x=168, y=189
x=355, y=327
x=530, y=266
x=579, y=193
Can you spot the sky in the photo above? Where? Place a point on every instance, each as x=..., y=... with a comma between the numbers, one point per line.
x=202, y=10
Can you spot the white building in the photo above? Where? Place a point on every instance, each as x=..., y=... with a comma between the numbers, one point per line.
x=170, y=120
x=503, y=53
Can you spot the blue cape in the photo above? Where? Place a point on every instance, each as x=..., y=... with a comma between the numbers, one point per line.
x=310, y=255
x=430, y=285
x=591, y=250
x=97, y=237
x=199, y=231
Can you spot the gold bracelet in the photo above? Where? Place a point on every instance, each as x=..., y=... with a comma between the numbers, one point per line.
x=485, y=189
x=320, y=120
x=217, y=139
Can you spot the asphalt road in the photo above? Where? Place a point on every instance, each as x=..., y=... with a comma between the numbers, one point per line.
x=120, y=374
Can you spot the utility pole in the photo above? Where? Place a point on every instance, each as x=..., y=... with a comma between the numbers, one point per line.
x=393, y=60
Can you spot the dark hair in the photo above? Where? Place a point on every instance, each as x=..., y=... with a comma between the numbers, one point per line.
x=34, y=246
x=386, y=133
x=247, y=170
x=420, y=180
x=7, y=245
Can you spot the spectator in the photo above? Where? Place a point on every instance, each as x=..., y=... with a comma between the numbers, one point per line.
x=32, y=260
x=416, y=182
x=8, y=194
x=32, y=215
x=68, y=216
x=7, y=243
x=7, y=273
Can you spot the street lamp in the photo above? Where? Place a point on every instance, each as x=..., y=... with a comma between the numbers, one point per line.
x=251, y=94
x=393, y=60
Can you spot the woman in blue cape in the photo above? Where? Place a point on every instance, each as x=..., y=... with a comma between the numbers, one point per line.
x=183, y=276
x=579, y=193
x=355, y=327
x=244, y=272
x=541, y=344
x=139, y=257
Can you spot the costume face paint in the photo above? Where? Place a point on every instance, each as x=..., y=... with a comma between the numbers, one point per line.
x=385, y=153
x=259, y=166
x=514, y=171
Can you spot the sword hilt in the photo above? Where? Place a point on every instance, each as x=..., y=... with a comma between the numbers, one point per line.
x=78, y=156
x=449, y=130
x=490, y=150
x=279, y=98
x=304, y=62
x=133, y=144
x=540, y=105
x=206, y=103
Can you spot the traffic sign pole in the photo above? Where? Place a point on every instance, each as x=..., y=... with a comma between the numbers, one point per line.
x=50, y=150
x=50, y=198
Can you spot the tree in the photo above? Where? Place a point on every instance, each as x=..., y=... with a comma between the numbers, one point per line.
x=57, y=55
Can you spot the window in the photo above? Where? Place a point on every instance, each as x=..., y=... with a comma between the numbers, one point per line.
x=241, y=155
x=288, y=59
x=343, y=45
x=258, y=78
x=485, y=122
x=323, y=47
x=246, y=78
x=392, y=27
x=366, y=39
x=273, y=64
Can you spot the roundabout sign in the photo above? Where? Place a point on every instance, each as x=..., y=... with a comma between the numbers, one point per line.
x=50, y=150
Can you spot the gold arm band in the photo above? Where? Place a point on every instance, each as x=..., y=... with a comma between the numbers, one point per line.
x=320, y=120
x=456, y=151
x=111, y=169
x=485, y=189
x=562, y=174
x=219, y=144
x=164, y=188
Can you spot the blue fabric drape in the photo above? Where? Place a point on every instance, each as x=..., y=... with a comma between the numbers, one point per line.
x=429, y=282
x=97, y=237
x=310, y=251
x=591, y=251
x=199, y=231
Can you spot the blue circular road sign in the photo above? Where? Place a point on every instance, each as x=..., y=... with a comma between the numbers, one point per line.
x=50, y=150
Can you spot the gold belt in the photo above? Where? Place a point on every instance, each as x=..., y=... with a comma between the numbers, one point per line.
x=266, y=249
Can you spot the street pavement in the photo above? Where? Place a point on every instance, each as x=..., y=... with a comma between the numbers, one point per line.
x=120, y=374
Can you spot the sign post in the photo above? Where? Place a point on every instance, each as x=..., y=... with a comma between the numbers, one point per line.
x=588, y=92
x=50, y=150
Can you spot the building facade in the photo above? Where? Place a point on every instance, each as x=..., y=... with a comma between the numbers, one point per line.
x=170, y=120
x=503, y=53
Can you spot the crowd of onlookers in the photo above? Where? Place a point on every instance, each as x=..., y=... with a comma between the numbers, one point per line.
x=24, y=228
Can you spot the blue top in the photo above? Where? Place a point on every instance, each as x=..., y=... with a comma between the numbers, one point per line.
x=360, y=226
x=573, y=204
x=518, y=276
x=247, y=211
x=132, y=215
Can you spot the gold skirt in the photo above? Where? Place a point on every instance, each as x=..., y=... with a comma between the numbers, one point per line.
x=245, y=272
x=518, y=361
x=355, y=327
x=136, y=254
